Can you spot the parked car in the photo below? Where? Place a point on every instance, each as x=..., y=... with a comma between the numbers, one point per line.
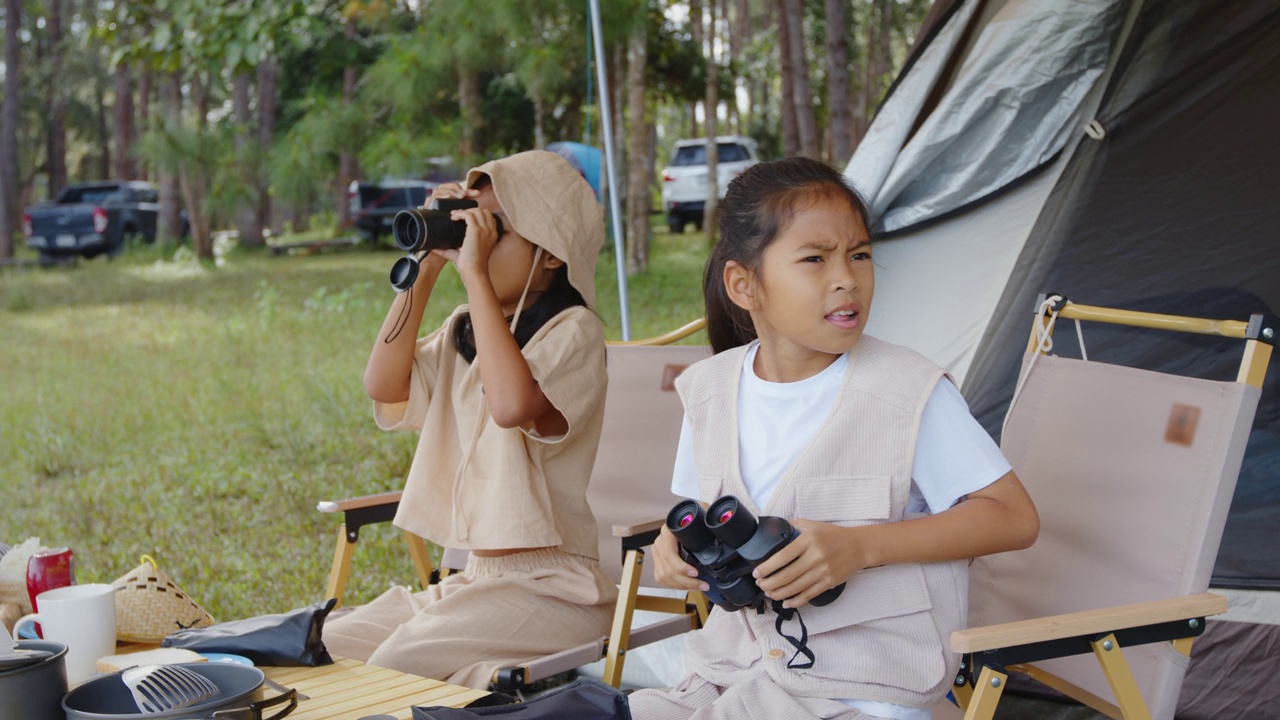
x=374, y=205
x=684, y=181
x=92, y=218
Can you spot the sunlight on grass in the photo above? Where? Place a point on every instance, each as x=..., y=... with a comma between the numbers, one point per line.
x=157, y=406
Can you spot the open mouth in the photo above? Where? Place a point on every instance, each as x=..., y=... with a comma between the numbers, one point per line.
x=845, y=319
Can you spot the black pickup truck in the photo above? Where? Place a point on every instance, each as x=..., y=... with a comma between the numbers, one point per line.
x=374, y=205
x=92, y=218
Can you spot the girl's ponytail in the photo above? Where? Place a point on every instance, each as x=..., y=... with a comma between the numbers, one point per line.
x=728, y=326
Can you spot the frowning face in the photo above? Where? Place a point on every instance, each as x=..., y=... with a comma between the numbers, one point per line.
x=811, y=294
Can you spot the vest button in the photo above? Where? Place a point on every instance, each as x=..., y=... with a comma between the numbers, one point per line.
x=776, y=653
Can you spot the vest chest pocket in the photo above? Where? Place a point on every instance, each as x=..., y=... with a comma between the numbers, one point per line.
x=844, y=500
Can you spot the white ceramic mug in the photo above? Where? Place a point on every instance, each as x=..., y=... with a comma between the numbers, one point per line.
x=82, y=617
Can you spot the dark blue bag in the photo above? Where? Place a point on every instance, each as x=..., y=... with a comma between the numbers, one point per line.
x=581, y=699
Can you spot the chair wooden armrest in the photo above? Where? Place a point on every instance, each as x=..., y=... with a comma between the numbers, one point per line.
x=358, y=503
x=358, y=512
x=990, y=652
x=1089, y=623
x=637, y=528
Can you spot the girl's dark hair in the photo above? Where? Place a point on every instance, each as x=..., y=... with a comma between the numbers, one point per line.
x=559, y=296
x=757, y=207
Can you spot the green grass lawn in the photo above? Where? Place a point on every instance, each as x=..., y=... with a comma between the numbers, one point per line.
x=152, y=406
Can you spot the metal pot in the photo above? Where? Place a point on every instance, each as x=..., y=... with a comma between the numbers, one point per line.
x=33, y=691
x=239, y=697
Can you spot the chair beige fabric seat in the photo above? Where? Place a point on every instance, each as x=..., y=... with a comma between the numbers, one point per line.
x=1132, y=472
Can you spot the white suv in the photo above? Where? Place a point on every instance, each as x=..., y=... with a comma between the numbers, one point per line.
x=684, y=181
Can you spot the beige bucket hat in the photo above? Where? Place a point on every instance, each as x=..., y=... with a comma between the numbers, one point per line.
x=551, y=205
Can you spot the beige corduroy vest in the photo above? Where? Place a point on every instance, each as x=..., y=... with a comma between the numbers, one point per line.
x=885, y=638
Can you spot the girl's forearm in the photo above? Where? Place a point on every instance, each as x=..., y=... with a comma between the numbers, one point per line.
x=513, y=395
x=386, y=375
x=997, y=519
x=1000, y=517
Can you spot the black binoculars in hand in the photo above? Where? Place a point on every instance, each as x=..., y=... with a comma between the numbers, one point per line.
x=418, y=230
x=725, y=543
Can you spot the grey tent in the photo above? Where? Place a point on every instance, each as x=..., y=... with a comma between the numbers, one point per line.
x=1119, y=152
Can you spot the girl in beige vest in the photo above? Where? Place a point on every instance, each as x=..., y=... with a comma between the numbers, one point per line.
x=509, y=397
x=865, y=447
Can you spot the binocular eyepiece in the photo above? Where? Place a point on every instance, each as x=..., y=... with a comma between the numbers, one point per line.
x=726, y=543
x=420, y=229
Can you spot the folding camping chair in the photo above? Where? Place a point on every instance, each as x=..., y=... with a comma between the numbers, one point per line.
x=1132, y=472
x=630, y=482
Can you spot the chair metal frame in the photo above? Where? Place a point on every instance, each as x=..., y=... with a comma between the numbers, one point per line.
x=991, y=653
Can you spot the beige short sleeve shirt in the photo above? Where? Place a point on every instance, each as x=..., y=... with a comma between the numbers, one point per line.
x=475, y=485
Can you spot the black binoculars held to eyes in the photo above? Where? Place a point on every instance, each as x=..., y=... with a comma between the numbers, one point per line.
x=725, y=543
x=418, y=230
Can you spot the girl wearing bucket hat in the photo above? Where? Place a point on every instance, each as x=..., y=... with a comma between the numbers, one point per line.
x=508, y=395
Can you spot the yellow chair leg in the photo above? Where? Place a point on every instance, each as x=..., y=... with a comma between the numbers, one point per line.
x=422, y=564
x=341, y=567
x=1123, y=686
x=620, y=633
x=963, y=695
x=700, y=604
x=1183, y=645
x=986, y=695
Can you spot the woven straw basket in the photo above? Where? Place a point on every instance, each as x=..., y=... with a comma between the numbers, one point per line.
x=16, y=594
x=149, y=606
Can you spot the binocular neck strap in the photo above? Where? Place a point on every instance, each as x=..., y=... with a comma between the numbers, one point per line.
x=537, y=255
x=801, y=644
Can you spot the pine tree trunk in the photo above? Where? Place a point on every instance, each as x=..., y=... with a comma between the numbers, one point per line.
x=790, y=133
x=144, y=119
x=879, y=37
x=806, y=123
x=740, y=31
x=348, y=164
x=9, y=128
x=170, y=220
x=709, y=210
x=695, y=24
x=838, y=82
x=56, y=133
x=638, y=200
x=247, y=219
x=103, y=141
x=123, y=123
x=268, y=101
x=193, y=178
x=539, y=125
x=470, y=103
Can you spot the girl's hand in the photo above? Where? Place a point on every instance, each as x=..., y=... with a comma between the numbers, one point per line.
x=669, y=569
x=821, y=557
x=477, y=246
x=450, y=191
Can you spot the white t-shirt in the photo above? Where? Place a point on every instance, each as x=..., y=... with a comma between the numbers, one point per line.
x=954, y=456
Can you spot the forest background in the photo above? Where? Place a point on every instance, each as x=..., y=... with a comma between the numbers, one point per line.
x=193, y=400
x=256, y=115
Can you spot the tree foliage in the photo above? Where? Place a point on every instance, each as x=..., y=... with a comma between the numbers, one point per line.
x=530, y=62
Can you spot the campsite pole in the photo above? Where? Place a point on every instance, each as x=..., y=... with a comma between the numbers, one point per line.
x=606, y=127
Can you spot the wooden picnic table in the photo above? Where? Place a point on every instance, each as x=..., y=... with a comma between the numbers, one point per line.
x=348, y=689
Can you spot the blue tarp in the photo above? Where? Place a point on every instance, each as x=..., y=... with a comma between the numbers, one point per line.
x=584, y=158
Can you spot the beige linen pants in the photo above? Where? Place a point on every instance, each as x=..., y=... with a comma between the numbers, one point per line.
x=499, y=611
x=756, y=699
